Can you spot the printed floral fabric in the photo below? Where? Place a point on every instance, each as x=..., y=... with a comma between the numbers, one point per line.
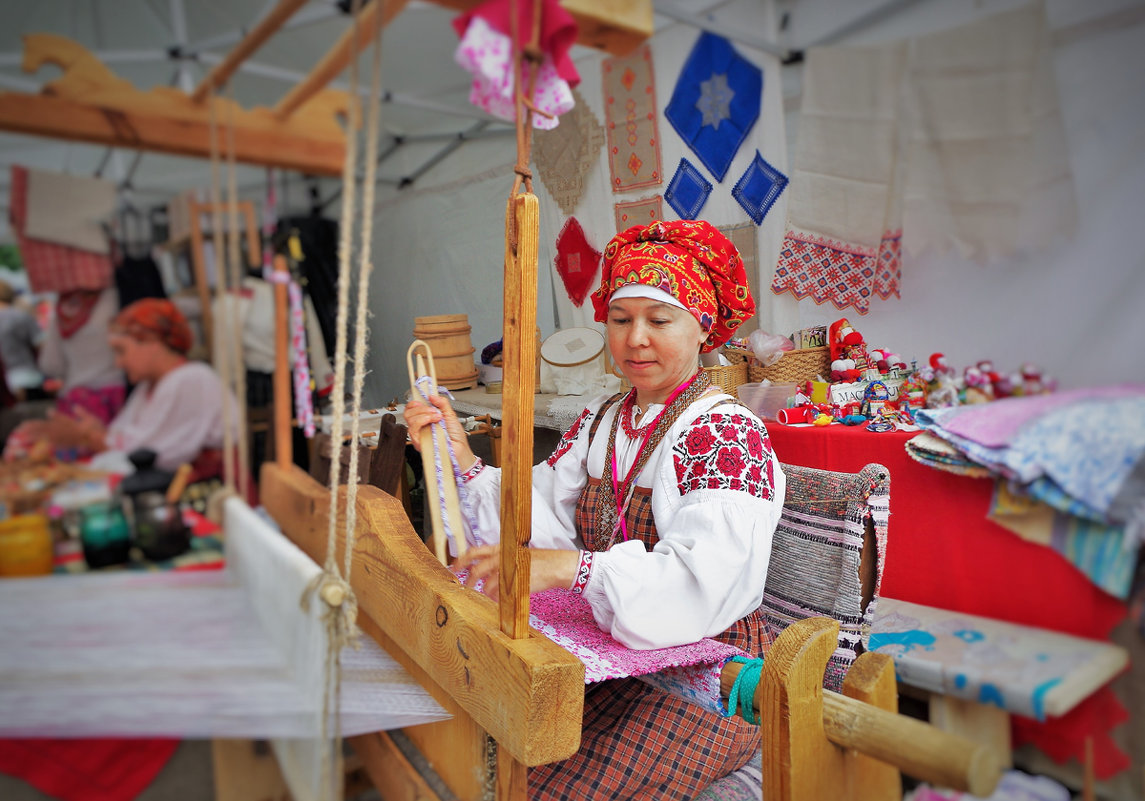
x=488, y=56
x=691, y=261
x=567, y=439
x=725, y=451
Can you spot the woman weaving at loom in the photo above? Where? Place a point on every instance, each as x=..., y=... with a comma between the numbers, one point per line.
x=671, y=493
x=175, y=410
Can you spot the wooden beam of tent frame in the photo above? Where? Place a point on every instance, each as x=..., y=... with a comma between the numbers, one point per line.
x=89, y=103
x=352, y=42
x=262, y=31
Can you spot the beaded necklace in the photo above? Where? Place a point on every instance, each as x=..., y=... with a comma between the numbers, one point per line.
x=611, y=509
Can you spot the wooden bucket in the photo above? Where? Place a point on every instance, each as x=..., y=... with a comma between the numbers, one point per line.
x=448, y=338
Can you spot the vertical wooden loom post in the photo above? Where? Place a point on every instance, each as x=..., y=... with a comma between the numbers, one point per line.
x=522, y=223
x=283, y=438
x=522, y=227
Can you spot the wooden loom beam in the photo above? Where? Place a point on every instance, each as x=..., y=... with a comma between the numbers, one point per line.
x=89, y=103
x=527, y=693
x=254, y=39
x=338, y=57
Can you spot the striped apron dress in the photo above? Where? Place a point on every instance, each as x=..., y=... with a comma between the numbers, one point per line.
x=639, y=742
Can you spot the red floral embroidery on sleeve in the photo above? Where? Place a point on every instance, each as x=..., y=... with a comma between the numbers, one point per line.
x=725, y=451
x=567, y=439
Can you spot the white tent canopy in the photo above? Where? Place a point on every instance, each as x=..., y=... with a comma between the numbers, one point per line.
x=1073, y=308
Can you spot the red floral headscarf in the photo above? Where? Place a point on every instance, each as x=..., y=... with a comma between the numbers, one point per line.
x=691, y=261
x=155, y=319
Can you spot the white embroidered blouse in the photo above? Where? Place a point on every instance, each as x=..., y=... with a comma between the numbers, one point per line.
x=717, y=493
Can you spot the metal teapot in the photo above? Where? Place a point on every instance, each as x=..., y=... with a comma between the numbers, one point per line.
x=157, y=524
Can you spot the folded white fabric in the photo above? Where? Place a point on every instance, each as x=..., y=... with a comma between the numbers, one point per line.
x=69, y=209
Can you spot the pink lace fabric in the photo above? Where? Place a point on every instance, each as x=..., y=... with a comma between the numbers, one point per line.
x=566, y=619
x=488, y=55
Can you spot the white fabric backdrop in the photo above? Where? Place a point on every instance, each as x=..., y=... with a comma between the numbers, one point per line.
x=1073, y=308
x=439, y=249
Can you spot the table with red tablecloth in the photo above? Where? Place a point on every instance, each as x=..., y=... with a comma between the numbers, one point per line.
x=942, y=551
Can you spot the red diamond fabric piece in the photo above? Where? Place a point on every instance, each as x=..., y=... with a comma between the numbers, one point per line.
x=577, y=261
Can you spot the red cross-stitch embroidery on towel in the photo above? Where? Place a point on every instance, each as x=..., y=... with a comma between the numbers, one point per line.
x=567, y=440
x=576, y=261
x=888, y=272
x=725, y=451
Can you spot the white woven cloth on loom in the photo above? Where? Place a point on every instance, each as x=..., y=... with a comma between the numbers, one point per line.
x=211, y=654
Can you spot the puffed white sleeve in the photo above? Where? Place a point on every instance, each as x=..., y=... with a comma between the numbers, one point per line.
x=557, y=484
x=716, y=498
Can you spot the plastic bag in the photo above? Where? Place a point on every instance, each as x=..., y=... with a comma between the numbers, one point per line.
x=768, y=348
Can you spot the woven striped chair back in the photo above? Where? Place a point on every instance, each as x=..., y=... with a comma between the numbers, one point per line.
x=827, y=555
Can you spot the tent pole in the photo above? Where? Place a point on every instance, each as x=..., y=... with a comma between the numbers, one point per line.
x=339, y=55
x=251, y=42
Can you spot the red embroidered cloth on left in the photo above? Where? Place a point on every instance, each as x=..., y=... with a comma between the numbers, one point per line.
x=576, y=261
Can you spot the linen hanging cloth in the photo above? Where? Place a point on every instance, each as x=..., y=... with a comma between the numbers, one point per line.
x=69, y=210
x=52, y=267
x=629, y=86
x=951, y=140
x=842, y=205
x=566, y=156
x=987, y=161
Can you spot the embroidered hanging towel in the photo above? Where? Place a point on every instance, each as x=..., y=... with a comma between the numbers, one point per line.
x=566, y=156
x=987, y=162
x=842, y=195
x=53, y=267
x=716, y=102
x=576, y=262
x=630, y=121
x=638, y=212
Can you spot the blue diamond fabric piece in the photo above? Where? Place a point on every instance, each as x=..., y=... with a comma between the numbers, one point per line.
x=688, y=191
x=758, y=188
x=716, y=102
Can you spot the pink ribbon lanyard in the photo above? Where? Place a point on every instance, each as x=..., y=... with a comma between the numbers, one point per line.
x=630, y=479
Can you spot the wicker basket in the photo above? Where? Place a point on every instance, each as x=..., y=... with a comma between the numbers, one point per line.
x=728, y=377
x=795, y=367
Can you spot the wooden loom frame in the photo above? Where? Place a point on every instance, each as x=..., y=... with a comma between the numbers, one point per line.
x=516, y=697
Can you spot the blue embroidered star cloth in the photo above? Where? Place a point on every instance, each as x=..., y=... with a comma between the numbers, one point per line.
x=688, y=191
x=716, y=102
x=758, y=188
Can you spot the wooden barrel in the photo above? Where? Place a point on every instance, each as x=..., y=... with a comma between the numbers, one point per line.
x=448, y=338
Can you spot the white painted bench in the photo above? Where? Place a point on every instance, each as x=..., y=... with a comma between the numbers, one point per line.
x=979, y=671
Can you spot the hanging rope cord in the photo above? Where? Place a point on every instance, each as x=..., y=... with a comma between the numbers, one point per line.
x=235, y=270
x=333, y=585
x=533, y=56
x=221, y=355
